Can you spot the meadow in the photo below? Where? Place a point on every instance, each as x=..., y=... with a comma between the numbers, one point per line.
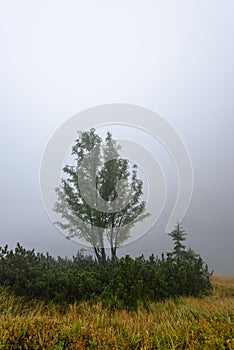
x=176, y=323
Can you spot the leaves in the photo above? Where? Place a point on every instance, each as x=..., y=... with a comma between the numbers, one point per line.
x=125, y=283
x=99, y=198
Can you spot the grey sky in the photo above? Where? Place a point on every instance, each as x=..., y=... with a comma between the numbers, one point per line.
x=174, y=57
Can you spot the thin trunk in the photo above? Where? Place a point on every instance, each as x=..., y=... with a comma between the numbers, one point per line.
x=97, y=255
x=103, y=253
x=100, y=255
x=113, y=254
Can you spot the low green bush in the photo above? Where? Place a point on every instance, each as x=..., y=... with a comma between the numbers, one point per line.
x=126, y=283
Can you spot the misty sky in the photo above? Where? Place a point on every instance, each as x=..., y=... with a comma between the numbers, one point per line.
x=174, y=57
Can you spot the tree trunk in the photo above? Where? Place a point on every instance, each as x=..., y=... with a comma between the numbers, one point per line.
x=113, y=254
x=100, y=255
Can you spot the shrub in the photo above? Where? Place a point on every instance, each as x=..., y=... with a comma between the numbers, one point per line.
x=125, y=283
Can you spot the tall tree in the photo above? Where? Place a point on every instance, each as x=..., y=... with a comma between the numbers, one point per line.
x=99, y=198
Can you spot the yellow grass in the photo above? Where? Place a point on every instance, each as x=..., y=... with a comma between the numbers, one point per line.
x=183, y=323
x=223, y=280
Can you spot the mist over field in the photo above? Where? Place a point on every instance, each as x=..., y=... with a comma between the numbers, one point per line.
x=175, y=58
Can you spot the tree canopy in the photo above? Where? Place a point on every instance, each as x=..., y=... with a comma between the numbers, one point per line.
x=99, y=198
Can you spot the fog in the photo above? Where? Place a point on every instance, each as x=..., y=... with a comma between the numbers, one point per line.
x=173, y=57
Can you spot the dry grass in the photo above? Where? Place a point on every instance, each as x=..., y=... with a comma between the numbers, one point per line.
x=223, y=280
x=183, y=323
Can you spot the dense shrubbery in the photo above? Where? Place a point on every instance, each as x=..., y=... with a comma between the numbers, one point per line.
x=123, y=284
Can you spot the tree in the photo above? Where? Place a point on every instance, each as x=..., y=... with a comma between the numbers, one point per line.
x=100, y=196
x=186, y=271
x=178, y=236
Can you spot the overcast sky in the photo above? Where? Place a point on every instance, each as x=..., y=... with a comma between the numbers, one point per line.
x=174, y=57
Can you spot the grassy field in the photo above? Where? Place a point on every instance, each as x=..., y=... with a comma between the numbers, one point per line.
x=184, y=323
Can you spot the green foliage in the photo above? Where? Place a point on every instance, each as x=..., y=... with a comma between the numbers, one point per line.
x=178, y=235
x=42, y=276
x=125, y=288
x=188, y=273
x=125, y=283
x=97, y=172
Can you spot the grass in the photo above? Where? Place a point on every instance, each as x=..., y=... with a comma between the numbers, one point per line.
x=183, y=323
